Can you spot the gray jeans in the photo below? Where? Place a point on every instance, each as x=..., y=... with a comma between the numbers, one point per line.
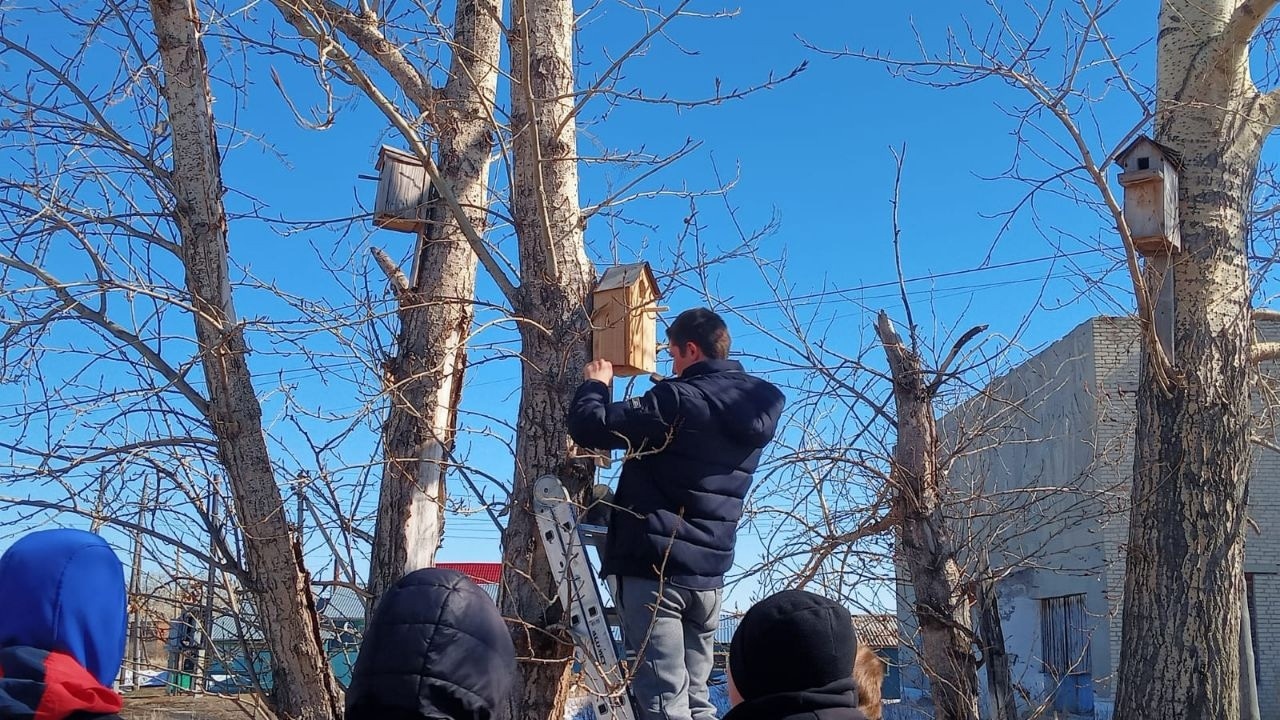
x=672, y=633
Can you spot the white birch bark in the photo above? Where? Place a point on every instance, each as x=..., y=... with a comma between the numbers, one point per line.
x=1184, y=573
x=436, y=312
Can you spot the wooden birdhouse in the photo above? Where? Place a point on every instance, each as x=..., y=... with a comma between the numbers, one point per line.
x=1150, y=180
x=402, y=191
x=624, y=319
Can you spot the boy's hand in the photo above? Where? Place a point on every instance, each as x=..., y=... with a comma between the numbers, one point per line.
x=601, y=370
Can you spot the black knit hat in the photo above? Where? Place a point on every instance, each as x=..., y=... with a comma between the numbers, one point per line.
x=789, y=642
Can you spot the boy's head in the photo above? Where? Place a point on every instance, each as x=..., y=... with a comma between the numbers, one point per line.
x=696, y=335
x=791, y=642
x=436, y=647
x=63, y=591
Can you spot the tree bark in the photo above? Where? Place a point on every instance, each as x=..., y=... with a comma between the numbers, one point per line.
x=1184, y=577
x=304, y=685
x=994, y=656
x=556, y=279
x=925, y=544
x=436, y=313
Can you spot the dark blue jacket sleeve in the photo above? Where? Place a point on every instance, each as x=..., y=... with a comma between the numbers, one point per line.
x=637, y=423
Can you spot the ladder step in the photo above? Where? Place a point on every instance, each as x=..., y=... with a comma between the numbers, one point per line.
x=593, y=535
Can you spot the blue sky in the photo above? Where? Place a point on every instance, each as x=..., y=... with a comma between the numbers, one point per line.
x=813, y=153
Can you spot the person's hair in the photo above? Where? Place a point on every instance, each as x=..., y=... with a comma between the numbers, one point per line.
x=868, y=676
x=703, y=328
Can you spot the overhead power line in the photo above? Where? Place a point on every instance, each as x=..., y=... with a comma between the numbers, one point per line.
x=920, y=278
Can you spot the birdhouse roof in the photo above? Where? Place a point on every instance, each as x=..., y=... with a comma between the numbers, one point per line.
x=1173, y=156
x=620, y=276
x=386, y=152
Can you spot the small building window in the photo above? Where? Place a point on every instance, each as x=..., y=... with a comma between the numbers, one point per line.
x=1144, y=163
x=1064, y=632
x=1065, y=629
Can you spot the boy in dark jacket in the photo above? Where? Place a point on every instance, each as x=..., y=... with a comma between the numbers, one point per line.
x=436, y=649
x=792, y=658
x=62, y=627
x=692, y=443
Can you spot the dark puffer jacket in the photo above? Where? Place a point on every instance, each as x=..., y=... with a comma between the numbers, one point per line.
x=693, y=442
x=436, y=649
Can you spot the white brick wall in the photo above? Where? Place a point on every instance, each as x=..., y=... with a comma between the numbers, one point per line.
x=1073, y=435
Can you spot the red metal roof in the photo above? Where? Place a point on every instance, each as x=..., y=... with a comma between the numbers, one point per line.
x=480, y=572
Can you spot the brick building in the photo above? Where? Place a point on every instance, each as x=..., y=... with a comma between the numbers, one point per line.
x=1043, y=461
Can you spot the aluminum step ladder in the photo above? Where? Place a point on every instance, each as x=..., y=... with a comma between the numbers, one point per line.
x=562, y=539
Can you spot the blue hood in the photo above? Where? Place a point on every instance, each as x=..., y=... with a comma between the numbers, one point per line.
x=63, y=591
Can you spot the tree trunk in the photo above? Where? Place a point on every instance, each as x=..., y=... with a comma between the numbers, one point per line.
x=304, y=684
x=925, y=545
x=1249, y=709
x=436, y=312
x=556, y=279
x=1184, y=577
x=994, y=656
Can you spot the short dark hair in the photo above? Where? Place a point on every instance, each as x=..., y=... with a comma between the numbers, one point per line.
x=703, y=328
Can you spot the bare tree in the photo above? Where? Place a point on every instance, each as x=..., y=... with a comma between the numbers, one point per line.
x=1209, y=110
x=927, y=547
x=548, y=295
x=115, y=190
x=98, y=232
x=424, y=381
x=1191, y=458
x=303, y=682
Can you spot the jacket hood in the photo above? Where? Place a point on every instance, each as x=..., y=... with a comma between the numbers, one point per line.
x=437, y=647
x=748, y=407
x=836, y=701
x=63, y=591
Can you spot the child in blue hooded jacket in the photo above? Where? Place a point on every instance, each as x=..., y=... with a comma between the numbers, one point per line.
x=63, y=621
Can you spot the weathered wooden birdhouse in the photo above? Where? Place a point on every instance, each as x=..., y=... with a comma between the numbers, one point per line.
x=1150, y=180
x=624, y=319
x=402, y=191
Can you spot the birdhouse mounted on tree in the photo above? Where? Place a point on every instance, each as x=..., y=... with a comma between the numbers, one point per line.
x=402, y=191
x=1150, y=180
x=624, y=319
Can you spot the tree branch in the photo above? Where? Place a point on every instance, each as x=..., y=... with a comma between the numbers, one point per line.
x=896, y=351
x=201, y=555
x=358, y=78
x=1051, y=100
x=1264, y=351
x=101, y=126
x=617, y=64
x=168, y=372
x=878, y=526
x=363, y=30
x=1244, y=22
x=951, y=356
x=395, y=276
